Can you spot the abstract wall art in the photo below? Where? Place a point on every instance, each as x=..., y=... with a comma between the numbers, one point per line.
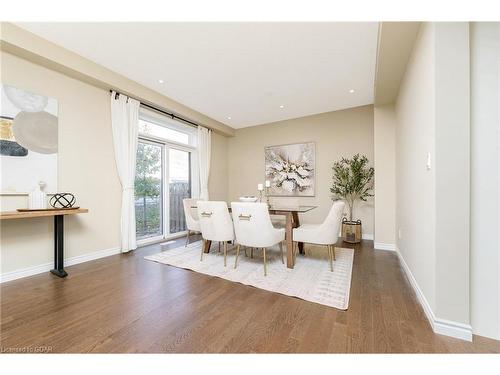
x=28, y=141
x=291, y=169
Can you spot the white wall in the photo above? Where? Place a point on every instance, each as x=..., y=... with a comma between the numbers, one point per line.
x=452, y=171
x=433, y=204
x=415, y=134
x=384, y=144
x=485, y=178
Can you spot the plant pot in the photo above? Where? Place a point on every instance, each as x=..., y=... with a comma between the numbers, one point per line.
x=351, y=231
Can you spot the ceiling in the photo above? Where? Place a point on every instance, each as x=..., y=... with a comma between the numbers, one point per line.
x=241, y=74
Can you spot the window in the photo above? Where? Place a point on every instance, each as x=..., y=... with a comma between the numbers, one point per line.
x=166, y=173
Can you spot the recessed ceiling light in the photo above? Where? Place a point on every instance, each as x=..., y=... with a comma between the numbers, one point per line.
x=282, y=106
x=352, y=91
x=229, y=117
x=161, y=81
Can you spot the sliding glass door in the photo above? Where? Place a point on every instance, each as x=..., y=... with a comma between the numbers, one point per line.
x=179, y=179
x=149, y=190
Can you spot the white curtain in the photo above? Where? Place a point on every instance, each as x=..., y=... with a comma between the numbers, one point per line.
x=204, y=154
x=125, y=122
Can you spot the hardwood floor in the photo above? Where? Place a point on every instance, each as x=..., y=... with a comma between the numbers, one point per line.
x=124, y=303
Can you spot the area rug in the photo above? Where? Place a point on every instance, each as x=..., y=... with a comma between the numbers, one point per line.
x=310, y=279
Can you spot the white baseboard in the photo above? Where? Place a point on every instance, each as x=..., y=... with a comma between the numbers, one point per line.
x=46, y=267
x=440, y=326
x=384, y=246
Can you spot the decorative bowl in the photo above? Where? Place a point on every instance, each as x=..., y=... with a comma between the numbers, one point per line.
x=248, y=198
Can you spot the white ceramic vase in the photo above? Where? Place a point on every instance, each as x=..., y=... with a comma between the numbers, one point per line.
x=37, y=198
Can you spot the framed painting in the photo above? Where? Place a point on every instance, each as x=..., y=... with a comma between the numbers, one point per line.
x=291, y=169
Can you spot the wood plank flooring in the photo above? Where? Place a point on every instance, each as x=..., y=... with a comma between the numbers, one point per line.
x=123, y=304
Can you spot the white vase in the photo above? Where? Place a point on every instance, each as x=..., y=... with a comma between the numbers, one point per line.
x=37, y=198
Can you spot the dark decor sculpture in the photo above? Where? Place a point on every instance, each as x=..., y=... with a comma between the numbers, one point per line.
x=62, y=200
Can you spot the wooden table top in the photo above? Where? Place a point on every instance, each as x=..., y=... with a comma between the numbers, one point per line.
x=6, y=215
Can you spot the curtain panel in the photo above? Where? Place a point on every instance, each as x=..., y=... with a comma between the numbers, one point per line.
x=124, y=123
x=204, y=155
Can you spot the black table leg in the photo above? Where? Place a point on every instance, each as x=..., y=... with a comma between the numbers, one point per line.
x=59, y=247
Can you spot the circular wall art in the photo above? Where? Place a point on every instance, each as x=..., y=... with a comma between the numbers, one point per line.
x=62, y=200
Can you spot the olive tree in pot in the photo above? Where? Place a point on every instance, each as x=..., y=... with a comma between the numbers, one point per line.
x=352, y=181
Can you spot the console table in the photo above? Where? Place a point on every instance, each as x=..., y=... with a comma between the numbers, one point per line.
x=58, y=231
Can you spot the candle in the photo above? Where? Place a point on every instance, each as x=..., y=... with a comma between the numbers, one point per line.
x=268, y=183
x=260, y=187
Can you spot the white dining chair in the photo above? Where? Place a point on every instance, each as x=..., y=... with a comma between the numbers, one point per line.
x=326, y=233
x=191, y=215
x=253, y=228
x=215, y=224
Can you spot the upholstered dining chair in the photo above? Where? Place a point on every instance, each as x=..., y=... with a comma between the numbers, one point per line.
x=215, y=224
x=326, y=233
x=191, y=214
x=253, y=228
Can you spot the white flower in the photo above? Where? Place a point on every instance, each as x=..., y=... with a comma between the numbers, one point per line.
x=302, y=172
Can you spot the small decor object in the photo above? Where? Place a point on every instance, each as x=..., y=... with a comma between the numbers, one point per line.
x=28, y=140
x=268, y=185
x=248, y=198
x=352, y=181
x=37, y=199
x=63, y=200
x=260, y=188
x=290, y=169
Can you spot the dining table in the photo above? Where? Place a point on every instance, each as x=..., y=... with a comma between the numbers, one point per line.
x=291, y=215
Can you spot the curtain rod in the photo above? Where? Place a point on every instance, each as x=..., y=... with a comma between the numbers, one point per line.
x=171, y=115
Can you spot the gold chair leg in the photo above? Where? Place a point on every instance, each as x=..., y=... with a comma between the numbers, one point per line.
x=187, y=238
x=265, y=263
x=333, y=252
x=225, y=253
x=203, y=248
x=218, y=251
x=330, y=255
x=237, y=255
x=281, y=250
x=251, y=252
x=246, y=251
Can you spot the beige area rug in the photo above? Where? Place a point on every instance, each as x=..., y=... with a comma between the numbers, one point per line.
x=310, y=279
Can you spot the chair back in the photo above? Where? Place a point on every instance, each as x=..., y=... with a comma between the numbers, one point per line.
x=191, y=214
x=252, y=224
x=215, y=221
x=331, y=225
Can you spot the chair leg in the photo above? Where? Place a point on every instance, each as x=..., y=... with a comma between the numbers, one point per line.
x=265, y=263
x=225, y=253
x=281, y=250
x=330, y=255
x=218, y=251
x=251, y=252
x=237, y=255
x=187, y=238
x=333, y=252
x=246, y=251
x=203, y=248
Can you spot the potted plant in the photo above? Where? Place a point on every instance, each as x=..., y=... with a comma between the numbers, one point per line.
x=352, y=181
